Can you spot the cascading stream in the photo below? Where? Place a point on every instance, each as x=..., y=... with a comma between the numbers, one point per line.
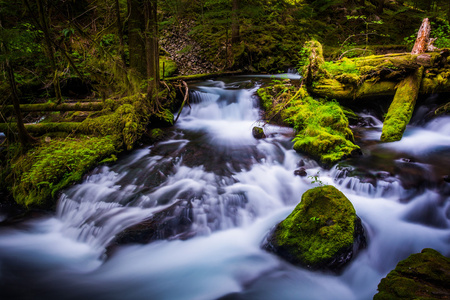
x=221, y=191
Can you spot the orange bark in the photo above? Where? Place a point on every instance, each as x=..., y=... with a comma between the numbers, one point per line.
x=422, y=37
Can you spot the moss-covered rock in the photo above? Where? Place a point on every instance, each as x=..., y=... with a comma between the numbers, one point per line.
x=323, y=231
x=322, y=126
x=423, y=276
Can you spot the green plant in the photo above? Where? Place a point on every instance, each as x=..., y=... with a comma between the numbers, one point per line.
x=316, y=179
x=315, y=219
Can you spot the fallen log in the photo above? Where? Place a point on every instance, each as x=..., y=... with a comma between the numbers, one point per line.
x=89, y=106
x=43, y=128
x=401, y=108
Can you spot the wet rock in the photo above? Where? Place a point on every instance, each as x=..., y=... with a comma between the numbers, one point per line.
x=323, y=232
x=424, y=275
x=258, y=132
x=300, y=172
x=173, y=222
x=446, y=178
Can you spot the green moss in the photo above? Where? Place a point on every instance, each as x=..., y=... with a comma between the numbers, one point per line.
x=275, y=98
x=401, y=108
x=127, y=121
x=167, y=67
x=52, y=166
x=319, y=228
x=422, y=276
x=323, y=129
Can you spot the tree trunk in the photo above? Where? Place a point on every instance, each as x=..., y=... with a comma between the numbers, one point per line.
x=50, y=52
x=235, y=34
x=151, y=47
x=423, y=36
x=120, y=33
x=136, y=45
x=24, y=137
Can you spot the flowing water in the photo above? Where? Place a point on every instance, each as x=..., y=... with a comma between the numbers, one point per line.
x=222, y=191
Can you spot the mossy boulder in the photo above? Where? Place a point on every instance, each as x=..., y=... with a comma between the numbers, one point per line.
x=322, y=233
x=423, y=276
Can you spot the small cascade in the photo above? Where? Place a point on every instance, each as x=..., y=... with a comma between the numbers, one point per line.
x=384, y=186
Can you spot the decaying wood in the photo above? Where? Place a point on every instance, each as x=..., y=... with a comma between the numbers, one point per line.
x=402, y=107
x=423, y=37
x=87, y=106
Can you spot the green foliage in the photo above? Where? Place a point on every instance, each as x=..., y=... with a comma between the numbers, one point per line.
x=52, y=166
x=316, y=179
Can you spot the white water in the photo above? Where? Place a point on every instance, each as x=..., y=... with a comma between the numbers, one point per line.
x=237, y=188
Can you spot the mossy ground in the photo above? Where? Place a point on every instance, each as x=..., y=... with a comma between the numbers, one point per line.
x=320, y=226
x=59, y=160
x=53, y=165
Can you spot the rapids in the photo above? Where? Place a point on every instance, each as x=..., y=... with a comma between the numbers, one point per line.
x=229, y=189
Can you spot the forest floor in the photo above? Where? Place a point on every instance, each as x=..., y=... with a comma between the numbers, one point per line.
x=185, y=51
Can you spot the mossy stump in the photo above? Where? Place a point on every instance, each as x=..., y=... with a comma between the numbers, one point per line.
x=322, y=233
x=423, y=276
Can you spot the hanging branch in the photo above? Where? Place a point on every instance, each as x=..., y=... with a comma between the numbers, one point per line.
x=186, y=98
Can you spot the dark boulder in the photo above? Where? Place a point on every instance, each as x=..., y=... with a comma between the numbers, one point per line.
x=300, y=172
x=258, y=132
x=322, y=233
x=173, y=222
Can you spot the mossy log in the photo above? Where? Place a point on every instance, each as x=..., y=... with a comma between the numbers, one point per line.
x=43, y=128
x=376, y=76
x=87, y=106
x=401, y=108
